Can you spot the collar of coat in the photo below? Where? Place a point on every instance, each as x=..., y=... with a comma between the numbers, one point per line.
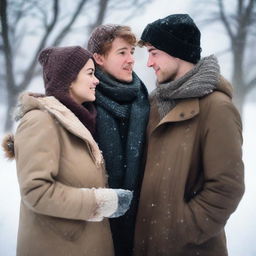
x=186, y=109
x=65, y=117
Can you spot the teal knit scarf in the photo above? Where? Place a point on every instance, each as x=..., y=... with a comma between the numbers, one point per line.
x=121, y=104
x=122, y=116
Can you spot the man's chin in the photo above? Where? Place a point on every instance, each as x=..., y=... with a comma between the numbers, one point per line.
x=159, y=81
x=164, y=81
x=125, y=79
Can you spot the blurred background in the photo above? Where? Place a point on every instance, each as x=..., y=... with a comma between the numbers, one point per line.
x=227, y=30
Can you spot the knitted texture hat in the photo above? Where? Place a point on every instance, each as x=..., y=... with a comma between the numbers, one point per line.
x=61, y=66
x=176, y=35
x=101, y=35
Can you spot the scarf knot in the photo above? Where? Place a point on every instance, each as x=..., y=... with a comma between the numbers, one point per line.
x=122, y=92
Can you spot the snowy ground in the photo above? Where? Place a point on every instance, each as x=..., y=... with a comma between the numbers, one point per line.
x=241, y=228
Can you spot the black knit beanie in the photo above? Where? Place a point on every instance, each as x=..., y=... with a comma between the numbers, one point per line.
x=61, y=66
x=176, y=35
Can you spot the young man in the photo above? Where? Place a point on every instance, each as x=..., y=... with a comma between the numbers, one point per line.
x=122, y=116
x=193, y=177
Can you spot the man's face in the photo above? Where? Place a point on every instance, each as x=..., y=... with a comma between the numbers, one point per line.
x=166, y=67
x=119, y=61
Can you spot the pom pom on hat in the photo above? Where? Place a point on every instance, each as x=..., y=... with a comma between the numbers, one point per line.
x=43, y=57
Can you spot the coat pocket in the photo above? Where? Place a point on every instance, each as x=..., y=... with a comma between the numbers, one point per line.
x=69, y=230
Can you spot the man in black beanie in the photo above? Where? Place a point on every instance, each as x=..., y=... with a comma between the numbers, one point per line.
x=122, y=115
x=193, y=179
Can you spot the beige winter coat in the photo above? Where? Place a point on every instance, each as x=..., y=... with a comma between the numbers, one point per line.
x=193, y=179
x=58, y=166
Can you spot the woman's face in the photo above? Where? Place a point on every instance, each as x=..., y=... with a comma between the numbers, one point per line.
x=83, y=88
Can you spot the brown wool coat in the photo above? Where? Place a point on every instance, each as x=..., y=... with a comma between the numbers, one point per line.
x=193, y=178
x=56, y=156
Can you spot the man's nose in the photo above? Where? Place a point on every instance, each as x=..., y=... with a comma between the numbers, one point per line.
x=149, y=62
x=130, y=58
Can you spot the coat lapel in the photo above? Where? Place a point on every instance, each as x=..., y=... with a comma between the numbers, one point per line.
x=184, y=110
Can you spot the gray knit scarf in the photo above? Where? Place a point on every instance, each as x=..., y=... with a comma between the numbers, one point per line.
x=198, y=82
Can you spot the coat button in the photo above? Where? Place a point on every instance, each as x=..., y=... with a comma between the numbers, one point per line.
x=182, y=115
x=192, y=112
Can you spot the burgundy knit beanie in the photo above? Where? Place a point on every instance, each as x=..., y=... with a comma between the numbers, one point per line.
x=61, y=66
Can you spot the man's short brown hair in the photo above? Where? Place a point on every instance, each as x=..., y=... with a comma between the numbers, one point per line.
x=102, y=37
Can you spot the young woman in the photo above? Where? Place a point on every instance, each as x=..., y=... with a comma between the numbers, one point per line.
x=59, y=165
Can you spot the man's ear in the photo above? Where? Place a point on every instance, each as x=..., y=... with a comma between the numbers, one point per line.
x=98, y=58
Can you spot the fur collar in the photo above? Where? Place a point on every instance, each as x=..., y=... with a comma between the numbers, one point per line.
x=65, y=117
